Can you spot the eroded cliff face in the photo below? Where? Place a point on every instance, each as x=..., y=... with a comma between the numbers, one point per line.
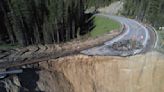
x=141, y=73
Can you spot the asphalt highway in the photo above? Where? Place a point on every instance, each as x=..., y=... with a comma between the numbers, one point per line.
x=132, y=30
x=34, y=54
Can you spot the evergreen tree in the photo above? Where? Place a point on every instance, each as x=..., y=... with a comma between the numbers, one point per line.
x=145, y=10
x=29, y=22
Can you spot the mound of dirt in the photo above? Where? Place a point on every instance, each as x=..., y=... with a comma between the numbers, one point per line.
x=141, y=73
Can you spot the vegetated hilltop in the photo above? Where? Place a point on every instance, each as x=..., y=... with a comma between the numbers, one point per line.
x=80, y=73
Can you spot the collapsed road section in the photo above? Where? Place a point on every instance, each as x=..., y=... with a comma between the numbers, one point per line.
x=136, y=36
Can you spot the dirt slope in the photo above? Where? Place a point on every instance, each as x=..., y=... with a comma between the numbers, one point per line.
x=142, y=73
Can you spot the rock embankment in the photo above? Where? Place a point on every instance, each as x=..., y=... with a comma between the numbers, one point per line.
x=141, y=73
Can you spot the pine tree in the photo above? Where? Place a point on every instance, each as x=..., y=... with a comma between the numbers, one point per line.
x=29, y=22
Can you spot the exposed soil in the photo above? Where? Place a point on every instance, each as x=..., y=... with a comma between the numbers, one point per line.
x=79, y=73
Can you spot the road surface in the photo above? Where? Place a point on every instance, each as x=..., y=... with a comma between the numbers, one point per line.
x=35, y=54
x=113, y=8
x=132, y=30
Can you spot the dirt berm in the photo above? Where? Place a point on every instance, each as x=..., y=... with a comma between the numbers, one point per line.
x=141, y=73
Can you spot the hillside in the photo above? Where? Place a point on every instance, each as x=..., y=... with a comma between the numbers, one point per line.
x=79, y=73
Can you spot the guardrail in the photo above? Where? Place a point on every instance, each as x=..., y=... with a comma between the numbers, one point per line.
x=159, y=40
x=157, y=37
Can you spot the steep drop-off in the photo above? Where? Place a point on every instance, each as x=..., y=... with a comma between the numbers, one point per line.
x=142, y=73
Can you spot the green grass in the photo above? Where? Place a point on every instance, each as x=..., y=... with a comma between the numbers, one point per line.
x=103, y=25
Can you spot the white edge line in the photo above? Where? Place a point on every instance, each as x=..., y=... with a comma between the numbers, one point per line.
x=120, y=36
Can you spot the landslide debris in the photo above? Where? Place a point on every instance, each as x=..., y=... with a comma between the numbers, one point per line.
x=126, y=45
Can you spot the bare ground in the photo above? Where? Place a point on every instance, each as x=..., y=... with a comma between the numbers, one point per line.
x=142, y=73
x=80, y=73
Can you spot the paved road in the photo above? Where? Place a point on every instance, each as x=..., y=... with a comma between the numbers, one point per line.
x=133, y=30
x=113, y=8
x=35, y=54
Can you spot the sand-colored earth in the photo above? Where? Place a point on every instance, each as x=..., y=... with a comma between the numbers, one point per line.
x=142, y=73
x=80, y=73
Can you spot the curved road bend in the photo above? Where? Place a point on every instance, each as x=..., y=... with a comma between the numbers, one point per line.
x=133, y=30
x=37, y=54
